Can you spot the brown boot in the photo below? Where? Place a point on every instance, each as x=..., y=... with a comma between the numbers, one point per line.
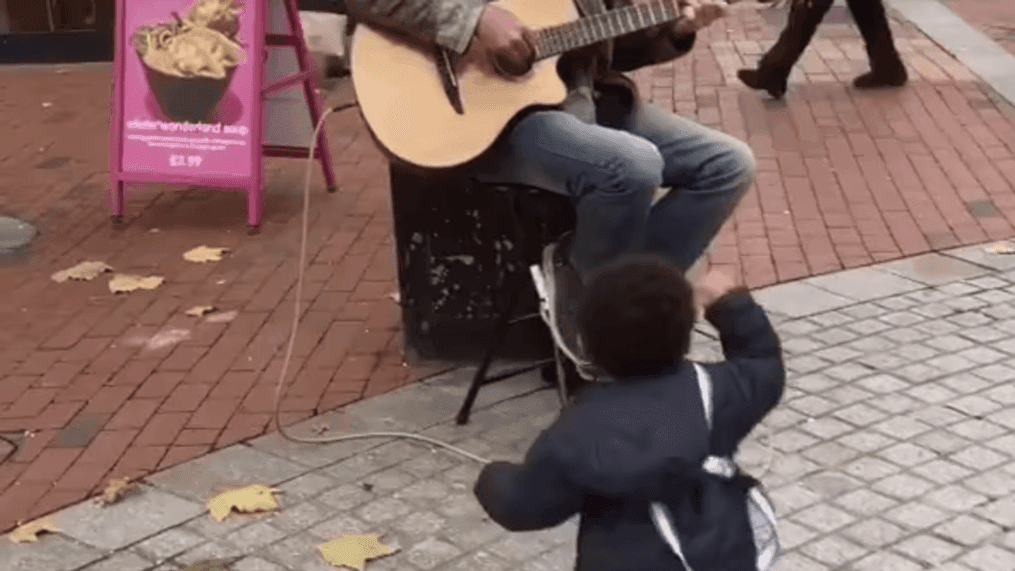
x=773, y=83
x=876, y=79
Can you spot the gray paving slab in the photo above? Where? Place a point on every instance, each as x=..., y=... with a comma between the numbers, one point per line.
x=134, y=519
x=864, y=284
x=121, y=561
x=798, y=299
x=236, y=466
x=979, y=256
x=51, y=553
x=934, y=269
x=992, y=63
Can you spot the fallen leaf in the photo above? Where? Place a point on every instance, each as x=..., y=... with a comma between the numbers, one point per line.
x=29, y=532
x=1000, y=248
x=125, y=283
x=253, y=498
x=116, y=490
x=353, y=551
x=200, y=310
x=202, y=254
x=46, y=104
x=82, y=271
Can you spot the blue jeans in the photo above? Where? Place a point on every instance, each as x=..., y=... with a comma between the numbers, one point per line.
x=611, y=174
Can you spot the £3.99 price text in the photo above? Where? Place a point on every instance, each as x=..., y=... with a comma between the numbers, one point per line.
x=182, y=161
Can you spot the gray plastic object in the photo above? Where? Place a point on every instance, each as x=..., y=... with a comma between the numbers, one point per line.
x=15, y=233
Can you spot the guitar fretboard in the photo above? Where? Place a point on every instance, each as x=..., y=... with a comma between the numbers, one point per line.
x=557, y=40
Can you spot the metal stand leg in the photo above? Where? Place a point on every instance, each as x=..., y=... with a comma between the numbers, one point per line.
x=500, y=332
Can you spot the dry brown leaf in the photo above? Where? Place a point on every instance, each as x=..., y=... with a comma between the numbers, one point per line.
x=124, y=283
x=200, y=310
x=253, y=498
x=29, y=532
x=116, y=490
x=203, y=254
x=82, y=271
x=353, y=551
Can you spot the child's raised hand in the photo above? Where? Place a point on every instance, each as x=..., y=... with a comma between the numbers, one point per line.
x=712, y=287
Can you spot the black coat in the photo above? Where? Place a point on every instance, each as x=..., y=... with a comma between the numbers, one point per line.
x=626, y=444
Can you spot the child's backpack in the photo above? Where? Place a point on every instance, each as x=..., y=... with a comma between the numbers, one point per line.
x=736, y=513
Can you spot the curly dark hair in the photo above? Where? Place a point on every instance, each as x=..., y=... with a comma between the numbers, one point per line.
x=636, y=316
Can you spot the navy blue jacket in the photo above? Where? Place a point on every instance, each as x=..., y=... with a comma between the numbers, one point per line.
x=624, y=445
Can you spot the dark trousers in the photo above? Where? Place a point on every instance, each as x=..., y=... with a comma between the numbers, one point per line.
x=806, y=15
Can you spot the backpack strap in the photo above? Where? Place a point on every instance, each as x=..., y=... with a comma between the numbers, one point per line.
x=715, y=465
x=705, y=386
x=661, y=516
x=663, y=520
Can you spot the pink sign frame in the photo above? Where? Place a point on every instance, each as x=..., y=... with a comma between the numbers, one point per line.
x=129, y=161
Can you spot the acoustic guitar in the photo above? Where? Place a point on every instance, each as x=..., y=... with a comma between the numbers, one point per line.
x=435, y=113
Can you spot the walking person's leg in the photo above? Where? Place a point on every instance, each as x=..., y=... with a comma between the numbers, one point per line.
x=887, y=69
x=773, y=69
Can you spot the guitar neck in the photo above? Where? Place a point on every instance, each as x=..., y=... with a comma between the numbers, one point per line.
x=556, y=40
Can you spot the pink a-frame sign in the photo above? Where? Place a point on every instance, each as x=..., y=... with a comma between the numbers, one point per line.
x=188, y=92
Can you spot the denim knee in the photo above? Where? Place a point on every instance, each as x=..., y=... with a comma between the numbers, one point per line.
x=738, y=160
x=637, y=166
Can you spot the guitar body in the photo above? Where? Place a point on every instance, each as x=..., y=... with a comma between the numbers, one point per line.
x=402, y=98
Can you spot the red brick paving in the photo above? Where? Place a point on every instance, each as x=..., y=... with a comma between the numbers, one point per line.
x=844, y=179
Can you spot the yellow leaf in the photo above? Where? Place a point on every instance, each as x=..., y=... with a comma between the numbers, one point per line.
x=82, y=271
x=353, y=551
x=202, y=254
x=199, y=310
x=116, y=490
x=29, y=532
x=253, y=498
x=124, y=283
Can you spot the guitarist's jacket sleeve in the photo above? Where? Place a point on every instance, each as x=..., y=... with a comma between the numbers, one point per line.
x=649, y=47
x=446, y=23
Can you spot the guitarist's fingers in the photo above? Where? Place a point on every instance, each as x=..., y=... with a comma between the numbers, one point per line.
x=522, y=50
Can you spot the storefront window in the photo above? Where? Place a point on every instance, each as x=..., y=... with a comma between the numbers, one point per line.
x=40, y=16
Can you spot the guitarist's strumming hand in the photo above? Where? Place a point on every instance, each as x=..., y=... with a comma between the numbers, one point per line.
x=698, y=14
x=701, y=14
x=504, y=40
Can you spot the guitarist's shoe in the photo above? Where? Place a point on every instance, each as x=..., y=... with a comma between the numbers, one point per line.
x=774, y=84
x=562, y=290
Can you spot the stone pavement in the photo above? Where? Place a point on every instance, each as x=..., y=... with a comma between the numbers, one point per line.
x=96, y=386
x=893, y=450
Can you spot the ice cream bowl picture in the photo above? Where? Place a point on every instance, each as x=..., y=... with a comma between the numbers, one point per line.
x=189, y=63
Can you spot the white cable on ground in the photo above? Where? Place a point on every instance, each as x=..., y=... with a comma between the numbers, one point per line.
x=279, y=394
x=296, y=322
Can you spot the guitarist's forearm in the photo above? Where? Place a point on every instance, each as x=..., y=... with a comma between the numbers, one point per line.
x=446, y=23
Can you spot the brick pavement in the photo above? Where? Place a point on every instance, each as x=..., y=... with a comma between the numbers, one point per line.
x=124, y=385
x=893, y=449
